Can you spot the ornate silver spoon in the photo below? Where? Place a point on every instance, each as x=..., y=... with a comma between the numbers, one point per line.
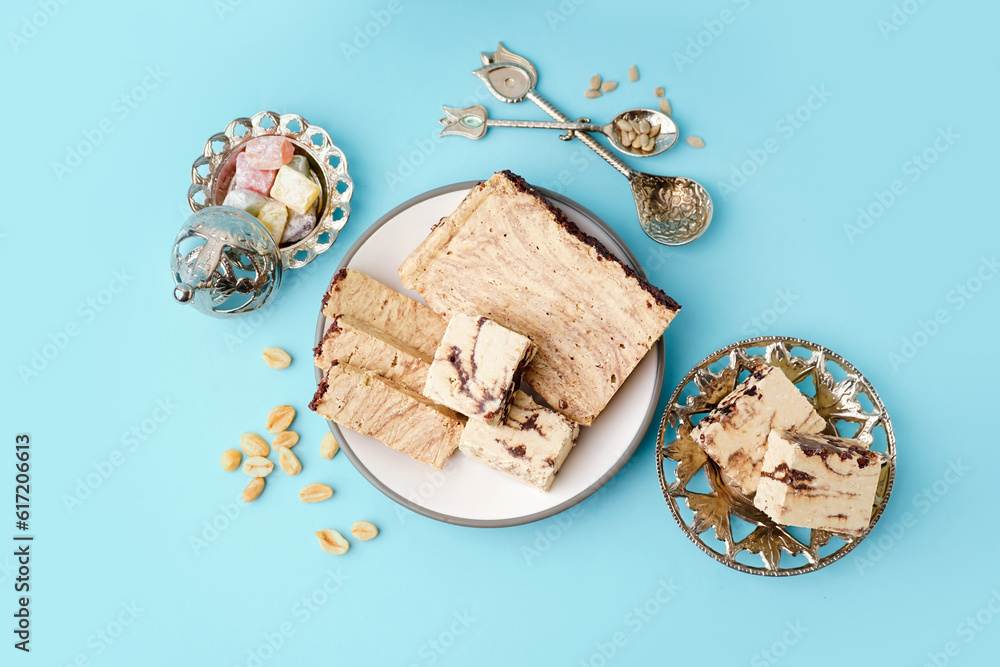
x=672, y=210
x=472, y=122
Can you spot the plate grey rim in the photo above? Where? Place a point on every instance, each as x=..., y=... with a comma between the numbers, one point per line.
x=661, y=349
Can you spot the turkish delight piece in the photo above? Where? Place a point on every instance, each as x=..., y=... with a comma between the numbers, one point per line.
x=246, y=200
x=249, y=178
x=274, y=215
x=266, y=153
x=294, y=190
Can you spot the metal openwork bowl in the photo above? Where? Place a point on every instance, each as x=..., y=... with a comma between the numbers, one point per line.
x=213, y=171
x=851, y=408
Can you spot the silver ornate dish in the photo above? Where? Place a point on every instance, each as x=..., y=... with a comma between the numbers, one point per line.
x=851, y=407
x=212, y=172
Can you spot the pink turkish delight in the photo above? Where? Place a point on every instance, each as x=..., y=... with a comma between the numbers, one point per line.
x=249, y=178
x=266, y=153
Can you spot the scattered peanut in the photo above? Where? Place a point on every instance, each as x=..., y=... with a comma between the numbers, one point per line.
x=608, y=86
x=592, y=94
x=254, y=445
x=363, y=530
x=286, y=439
x=329, y=446
x=665, y=106
x=315, y=493
x=332, y=542
x=658, y=92
x=633, y=73
x=288, y=461
x=279, y=418
x=595, y=82
x=231, y=459
x=275, y=357
x=258, y=466
x=696, y=142
x=253, y=490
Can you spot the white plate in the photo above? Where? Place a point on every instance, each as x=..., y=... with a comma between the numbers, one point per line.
x=467, y=492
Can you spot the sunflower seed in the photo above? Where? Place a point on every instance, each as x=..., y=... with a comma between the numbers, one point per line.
x=595, y=82
x=665, y=106
x=696, y=142
x=592, y=94
x=633, y=73
x=608, y=86
x=658, y=92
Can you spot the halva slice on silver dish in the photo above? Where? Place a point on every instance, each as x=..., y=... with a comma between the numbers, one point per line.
x=530, y=445
x=818, y=481
x=350, y=341
x=400, y=418
x=370, y=302
x=735, y=433
x=508, y=254
x=477, y=368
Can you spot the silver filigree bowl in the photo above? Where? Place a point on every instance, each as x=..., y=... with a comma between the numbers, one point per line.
x=851, y=407
x=212, y=173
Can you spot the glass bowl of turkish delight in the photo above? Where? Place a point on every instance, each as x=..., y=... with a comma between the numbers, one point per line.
x=286, y=173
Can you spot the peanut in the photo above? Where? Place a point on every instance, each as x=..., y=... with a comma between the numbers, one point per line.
x=254, y=445
x=275, y=357
x=231, y=459
x=253, y=490
x=288, y=461
x=286, y=439
x=258, y=466
x=279, y=418
x=315, y=493
x=329, y=446
x=363, y=530
x=332, y=542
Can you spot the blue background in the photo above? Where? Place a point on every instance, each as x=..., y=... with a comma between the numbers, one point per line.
x=118, y=576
